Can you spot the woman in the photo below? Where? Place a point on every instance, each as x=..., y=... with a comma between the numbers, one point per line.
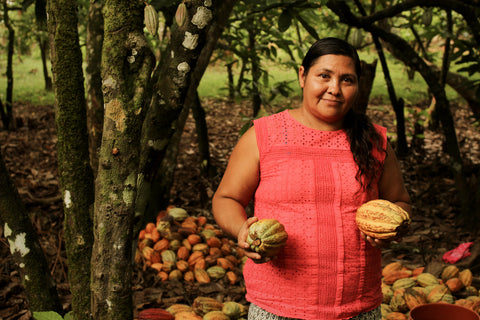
x=311, y=168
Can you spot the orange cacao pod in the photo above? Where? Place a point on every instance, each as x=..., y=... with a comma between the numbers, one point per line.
x=267, y=237
x=215, y=315
x=395, y=316
x=232, y=277
x=454, y=284
x=414, y=298
x=182, y=265
x=382, y=219
x=225, y=263
x=194, y=257
x=393, y=266
x=393, y=276
x=201, y=275
x=183, y=253
x=194, y=239
x=189, y=276
x=161, y=245
x=214, y=242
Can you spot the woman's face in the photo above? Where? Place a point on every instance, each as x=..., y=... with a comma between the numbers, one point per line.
x=329, y=89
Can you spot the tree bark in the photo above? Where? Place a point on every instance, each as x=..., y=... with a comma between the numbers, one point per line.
x=41, y=19
x=76, y=178
x=94, y=80
x=7, y=114
x=25, y=248
x=127, y=63
x=169, y=94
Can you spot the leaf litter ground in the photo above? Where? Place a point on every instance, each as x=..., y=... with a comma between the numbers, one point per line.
x=30, y=156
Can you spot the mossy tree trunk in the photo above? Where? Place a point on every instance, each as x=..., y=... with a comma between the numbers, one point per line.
x=127, y=62
x=76, y=178
x=169, y=94
x=94, y=80
x=25, y=248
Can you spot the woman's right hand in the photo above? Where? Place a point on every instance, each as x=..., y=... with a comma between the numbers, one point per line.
x=242, y=242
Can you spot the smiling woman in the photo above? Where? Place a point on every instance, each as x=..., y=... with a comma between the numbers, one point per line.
x=310, y=168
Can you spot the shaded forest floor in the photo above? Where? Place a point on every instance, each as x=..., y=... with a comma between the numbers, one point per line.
x=30, y=155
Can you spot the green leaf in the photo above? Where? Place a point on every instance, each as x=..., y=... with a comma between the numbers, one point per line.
x=46, y=315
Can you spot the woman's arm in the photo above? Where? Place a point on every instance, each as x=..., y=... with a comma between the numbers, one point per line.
x=391, y=188
x=236, y=189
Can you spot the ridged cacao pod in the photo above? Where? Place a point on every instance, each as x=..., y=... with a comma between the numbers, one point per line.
x=194, y=239
x=391, y=267
x=169, y=256
x=427, y=279
x=403, y=283
x=439, y=293
x=182, y=265
x=449, y=272
x=216, y=272
x=232, y=277
x=181, y=14
x=203, y=305
x=178, y=214
x=183, y=253
x=225, y=263
x=151, y=19
x=234, y=309
x=393, y=276
x=357, y=38
x=155, y=314
x=395, y=316
x=201, y=276
x=194, y=257
x=176, y=308
x=267, y=237
x=387, y=293
x=215, y=315
x=427, y=17
x=175, y=275
x=187, y=315
x=414, y=298
x=189, y=276
x=454, y=284
x=398, y=301
x=382, y=219
x=466, y=277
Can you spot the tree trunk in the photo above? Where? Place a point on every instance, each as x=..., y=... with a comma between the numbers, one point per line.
x=76, y=178
x=365, y=84
x=41, y=19
x=94, y=80
x=127, y=63
x=255, y=64
x=25, y=248
x=7, y=114
x=170, y=92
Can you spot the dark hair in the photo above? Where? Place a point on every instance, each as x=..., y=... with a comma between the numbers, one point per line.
x=361, y=133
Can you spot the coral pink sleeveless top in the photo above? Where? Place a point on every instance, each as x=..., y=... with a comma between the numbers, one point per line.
x=307, y=182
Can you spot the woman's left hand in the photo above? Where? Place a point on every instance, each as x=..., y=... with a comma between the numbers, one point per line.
x=377, y=243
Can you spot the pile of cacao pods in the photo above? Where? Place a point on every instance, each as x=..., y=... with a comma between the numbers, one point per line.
x=205, y=308
x=405, y=288
x=188, y=248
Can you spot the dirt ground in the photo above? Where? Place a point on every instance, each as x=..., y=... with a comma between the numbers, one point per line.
x=30, y=155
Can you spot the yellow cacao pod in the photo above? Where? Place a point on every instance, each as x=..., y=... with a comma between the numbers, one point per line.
x=382, y=219
x=466, y=277
x=151, y=19
x=427, y=279
x=176, y=308
x=215, y=315
x=449, y=272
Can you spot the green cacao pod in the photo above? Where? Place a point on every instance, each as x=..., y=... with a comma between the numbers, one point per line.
x=427, y=279
x=267, y=237
x=216, y=272
x=178, y=214
x=234, y=310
